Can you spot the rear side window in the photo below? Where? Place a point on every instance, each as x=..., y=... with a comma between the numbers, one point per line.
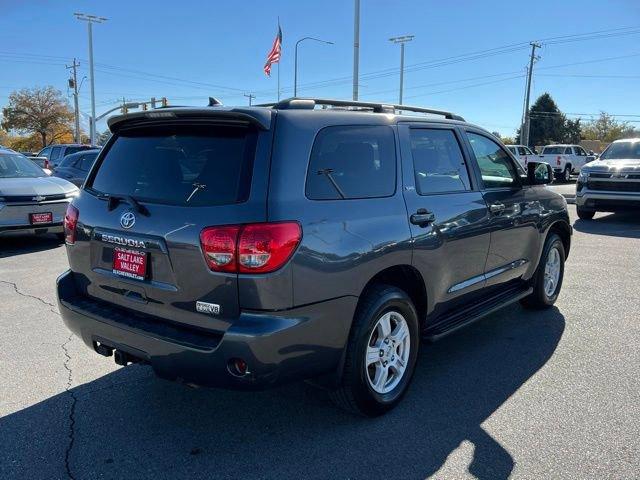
x=183, y=165
x=568, y=151
x=522, y=151
x=55, y=153
x=352, y=162
x=438, y=163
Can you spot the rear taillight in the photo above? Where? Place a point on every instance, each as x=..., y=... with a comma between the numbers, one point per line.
x=253, y=248
x=70, y=224
x=219, y=247
x=46, y=163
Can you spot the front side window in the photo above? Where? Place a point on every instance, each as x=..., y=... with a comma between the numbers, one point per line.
x=438, y=163
x=352, y=162
x=14, y=165
x=184, y=165
x=496, y=167
x=45, y=152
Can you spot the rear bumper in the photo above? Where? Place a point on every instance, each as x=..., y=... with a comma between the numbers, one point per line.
x=6, y=231
x=295, y=344
x=607, y=201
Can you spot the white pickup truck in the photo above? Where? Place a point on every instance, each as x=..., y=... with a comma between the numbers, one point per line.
x=523, y=154
x=565, y=159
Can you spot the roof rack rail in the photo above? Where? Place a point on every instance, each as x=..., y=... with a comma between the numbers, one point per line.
x=310, y=104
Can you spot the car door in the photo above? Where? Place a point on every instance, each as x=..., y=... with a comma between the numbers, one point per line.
x=448, y=217
x=514, y=213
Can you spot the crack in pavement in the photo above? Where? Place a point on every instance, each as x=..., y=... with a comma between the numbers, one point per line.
x=74, y=398
x=28, y=295
x=72, y=411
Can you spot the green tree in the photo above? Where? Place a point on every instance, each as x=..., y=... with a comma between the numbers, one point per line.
x=572, y=131
x=547, y=124
x=38, y=110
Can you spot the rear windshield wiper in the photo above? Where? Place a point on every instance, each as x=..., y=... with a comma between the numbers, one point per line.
x=327, y=173
x=114, y=200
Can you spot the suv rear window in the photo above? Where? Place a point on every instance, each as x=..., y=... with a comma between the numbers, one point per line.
x=185, y=165
x=352, y=162
x=553, y=151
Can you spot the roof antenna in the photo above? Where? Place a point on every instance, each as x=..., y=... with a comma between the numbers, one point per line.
x=214, y=101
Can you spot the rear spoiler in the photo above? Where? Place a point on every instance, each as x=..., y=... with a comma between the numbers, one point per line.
x=259, y=117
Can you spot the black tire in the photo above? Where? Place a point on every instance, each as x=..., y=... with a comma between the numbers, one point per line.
x=539, y=299
x=585, y=214
x=355, y=394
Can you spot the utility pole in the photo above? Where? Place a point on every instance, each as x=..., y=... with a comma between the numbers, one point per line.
x=524, y=130
x=250, y=96
x=401, y=40
x=356, y=48
x=91, y=19
x=74, y=83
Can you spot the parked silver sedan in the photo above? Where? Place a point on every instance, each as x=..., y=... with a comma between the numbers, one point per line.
x=31, y=202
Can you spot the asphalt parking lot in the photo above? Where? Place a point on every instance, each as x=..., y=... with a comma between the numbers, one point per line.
x=550, y=394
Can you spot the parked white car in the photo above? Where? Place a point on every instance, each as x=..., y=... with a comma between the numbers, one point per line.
x=565, y=159
x=523, y=154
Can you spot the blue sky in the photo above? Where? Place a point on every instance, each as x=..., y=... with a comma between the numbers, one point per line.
x=190, y=49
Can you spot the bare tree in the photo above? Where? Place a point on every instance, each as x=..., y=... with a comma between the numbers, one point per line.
x=38, y=110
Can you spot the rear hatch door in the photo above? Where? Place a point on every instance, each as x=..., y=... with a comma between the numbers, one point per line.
x=150, y=194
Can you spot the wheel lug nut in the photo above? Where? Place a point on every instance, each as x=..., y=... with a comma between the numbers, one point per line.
x=386, y=340
x=382, y=353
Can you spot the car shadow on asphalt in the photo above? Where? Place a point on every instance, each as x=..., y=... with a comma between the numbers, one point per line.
x=624, y=224
x=21, y=245
x=129, y=424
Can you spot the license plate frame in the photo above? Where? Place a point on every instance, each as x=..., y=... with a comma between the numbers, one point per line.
x=40, y=218
x=130, y=263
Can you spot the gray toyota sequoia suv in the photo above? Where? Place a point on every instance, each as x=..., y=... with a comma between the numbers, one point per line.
x=310, y=239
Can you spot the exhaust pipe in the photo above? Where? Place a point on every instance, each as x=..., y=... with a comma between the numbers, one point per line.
x=124, y=358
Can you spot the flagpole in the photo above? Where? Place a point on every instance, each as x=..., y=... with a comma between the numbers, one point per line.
x=279, y=31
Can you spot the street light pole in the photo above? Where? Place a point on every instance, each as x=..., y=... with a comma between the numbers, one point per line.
x=91, y=19
x=401, y=40
x=295, y=61
x=356, y=48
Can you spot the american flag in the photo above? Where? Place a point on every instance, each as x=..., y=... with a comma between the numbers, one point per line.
x=274, y=53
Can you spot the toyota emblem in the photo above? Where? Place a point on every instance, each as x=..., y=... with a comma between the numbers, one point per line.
x=127, y=220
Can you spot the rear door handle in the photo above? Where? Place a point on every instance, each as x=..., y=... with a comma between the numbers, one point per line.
x=422, y=217
x=496, y=208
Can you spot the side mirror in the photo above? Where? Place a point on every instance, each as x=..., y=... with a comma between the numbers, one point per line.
x=539, y=173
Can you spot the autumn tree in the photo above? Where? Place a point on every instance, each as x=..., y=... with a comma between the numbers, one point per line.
x=607, y=129
x=43, y=111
